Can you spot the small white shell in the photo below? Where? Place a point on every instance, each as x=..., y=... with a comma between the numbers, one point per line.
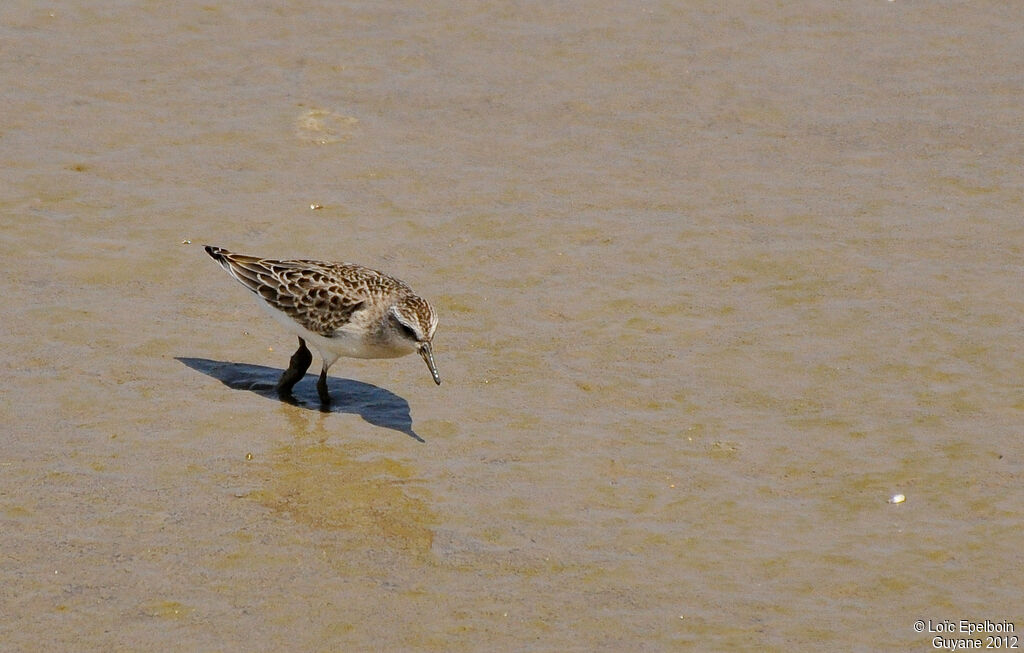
x=897, y=498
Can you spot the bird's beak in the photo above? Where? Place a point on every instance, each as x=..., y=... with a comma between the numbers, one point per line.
x=428, y=358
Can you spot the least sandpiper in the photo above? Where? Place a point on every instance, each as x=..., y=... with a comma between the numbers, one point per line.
x=342, y=309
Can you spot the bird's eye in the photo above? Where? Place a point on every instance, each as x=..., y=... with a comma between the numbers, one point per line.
x=407, y=330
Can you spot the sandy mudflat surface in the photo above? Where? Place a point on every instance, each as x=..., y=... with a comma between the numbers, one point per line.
x=715, y=282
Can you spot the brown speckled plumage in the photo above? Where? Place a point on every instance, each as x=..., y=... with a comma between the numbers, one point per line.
x=320, y=296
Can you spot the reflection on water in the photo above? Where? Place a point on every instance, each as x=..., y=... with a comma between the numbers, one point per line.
x=376, y=405
x=363, y=500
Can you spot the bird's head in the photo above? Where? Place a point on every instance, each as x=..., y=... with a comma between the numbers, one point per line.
x=413, y=321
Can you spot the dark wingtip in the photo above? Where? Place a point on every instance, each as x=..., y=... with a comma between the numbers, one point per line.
x=215, y=252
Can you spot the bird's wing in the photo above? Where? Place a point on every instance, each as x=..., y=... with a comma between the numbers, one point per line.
x=314, y=294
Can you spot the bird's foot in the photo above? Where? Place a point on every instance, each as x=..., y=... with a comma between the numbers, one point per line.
x=297, y=367
x=321, y=389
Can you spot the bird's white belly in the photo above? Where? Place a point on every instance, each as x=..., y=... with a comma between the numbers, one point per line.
x=351, y=343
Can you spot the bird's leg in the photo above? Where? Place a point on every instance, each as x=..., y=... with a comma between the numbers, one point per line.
x=297, y=367
x=321, y=387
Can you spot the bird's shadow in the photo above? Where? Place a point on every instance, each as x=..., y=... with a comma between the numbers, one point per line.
x=376, y=405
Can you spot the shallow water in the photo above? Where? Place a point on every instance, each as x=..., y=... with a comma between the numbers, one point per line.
x=714, y=283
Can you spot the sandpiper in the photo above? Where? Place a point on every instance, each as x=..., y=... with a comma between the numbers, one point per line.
x=341, y=308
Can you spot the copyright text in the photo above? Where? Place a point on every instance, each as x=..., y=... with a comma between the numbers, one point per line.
x=964, y=634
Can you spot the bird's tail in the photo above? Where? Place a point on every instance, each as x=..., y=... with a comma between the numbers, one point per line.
x=245, y=269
